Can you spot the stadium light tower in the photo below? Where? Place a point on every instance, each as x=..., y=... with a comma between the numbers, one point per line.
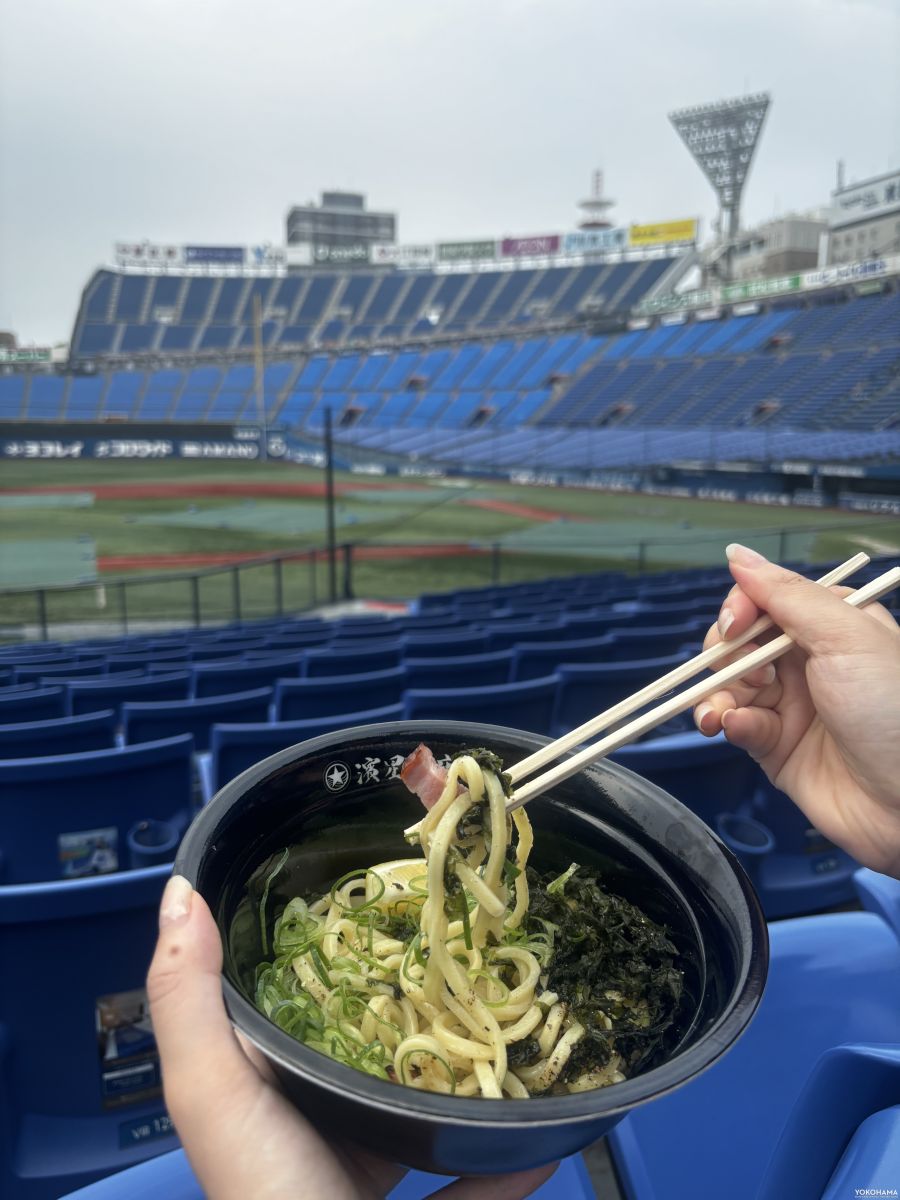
x=722, y=138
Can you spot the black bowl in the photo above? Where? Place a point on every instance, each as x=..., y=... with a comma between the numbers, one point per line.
x=337, y=801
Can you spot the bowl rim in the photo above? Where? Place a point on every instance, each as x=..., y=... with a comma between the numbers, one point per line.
x=344, y=1082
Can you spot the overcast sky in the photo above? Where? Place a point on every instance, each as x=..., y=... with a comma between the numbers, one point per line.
x=203, y=120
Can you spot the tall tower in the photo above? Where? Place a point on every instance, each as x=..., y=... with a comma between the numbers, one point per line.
x=722, y=138
x=596, y=206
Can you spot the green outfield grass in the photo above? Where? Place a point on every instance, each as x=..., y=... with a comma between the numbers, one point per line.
x=596, y=531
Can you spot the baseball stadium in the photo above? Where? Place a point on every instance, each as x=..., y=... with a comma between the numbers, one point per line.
x=268, y=493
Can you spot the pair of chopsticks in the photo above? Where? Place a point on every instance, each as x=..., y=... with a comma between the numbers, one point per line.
x=677, y=704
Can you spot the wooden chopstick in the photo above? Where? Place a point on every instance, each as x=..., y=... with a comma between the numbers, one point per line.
x=678, y=704
x=681, y=674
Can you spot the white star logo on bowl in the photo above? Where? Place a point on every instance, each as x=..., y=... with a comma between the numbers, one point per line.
x=337, y=776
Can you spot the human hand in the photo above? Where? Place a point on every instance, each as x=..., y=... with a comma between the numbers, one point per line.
x=825, y=725
x=245, y=1141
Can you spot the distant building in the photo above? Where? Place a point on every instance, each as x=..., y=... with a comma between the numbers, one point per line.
x=779, y=247
x=865, y=219
x=339, y=230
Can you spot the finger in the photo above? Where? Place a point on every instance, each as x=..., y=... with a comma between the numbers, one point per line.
x=709, y=712
x=813, y=616
x=202, y=1060
x=757, y=677
x=756, y=730
x=497, y=1187
x=738, y=612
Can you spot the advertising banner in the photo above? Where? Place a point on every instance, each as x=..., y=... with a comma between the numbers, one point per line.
x=147, y=254
x=266, y=255
x=753, y=289
x=391, y=254
x=466, y=251
x=866, y=201
x=538, y=246
x=664, y=233
x=595, y=241
x=350, y=255
x=33, y=355
x=847, y=273
x=299, y=254
x=699, y=298
x=219, y=256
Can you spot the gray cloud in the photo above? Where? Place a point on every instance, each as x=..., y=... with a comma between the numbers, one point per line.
x=203, y=120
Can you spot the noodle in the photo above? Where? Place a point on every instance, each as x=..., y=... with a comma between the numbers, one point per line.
x=421, y=972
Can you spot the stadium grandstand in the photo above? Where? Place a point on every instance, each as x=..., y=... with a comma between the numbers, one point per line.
x=824, y=361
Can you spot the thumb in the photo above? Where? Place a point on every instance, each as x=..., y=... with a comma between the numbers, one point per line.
x=201, y=1058
x=813, y=616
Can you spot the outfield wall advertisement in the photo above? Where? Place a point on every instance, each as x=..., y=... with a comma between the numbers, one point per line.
x=780, y=285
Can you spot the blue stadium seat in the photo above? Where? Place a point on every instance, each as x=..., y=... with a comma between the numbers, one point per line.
x=533, y=659
x=331, y=660
x=34, y=704
x=79, y=1074
x=466, y=670
x=16, y=689
x=654, y=641
x=70, y=670
x=237, y=747
x=60, y=735
x=151, y=720
x=772, y=1118
x=587, y=690
x=170, y=1177
x=212, y=679
x=708, y=775
x=306, y=699
x=68, y=815
x=527, y=705
x=794, y=868
x=503, y=635
x=445, y=645
x=144, y=658
x=90, y=695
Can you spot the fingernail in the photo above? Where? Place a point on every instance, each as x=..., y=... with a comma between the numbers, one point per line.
x=701, y=715
x=743, y=555
x=726, y=620
x=176, y=902
x=767, y=673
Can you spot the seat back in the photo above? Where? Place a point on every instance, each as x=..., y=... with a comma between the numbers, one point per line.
x=150, y=721
x=503, y=635
x=60, y=735
x=237, y=747
x=68, y=815
x=33, y=704
x=71, y=669
x=585, y=691
x=91, y=695
x=84, y=1077
x=654, y=641
x=306, y=699
x=527, y=705
x=332, y=660
x=210, y=679
x=531, y=660
x=708, y=775
x=468, y=670
x=444, y=645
